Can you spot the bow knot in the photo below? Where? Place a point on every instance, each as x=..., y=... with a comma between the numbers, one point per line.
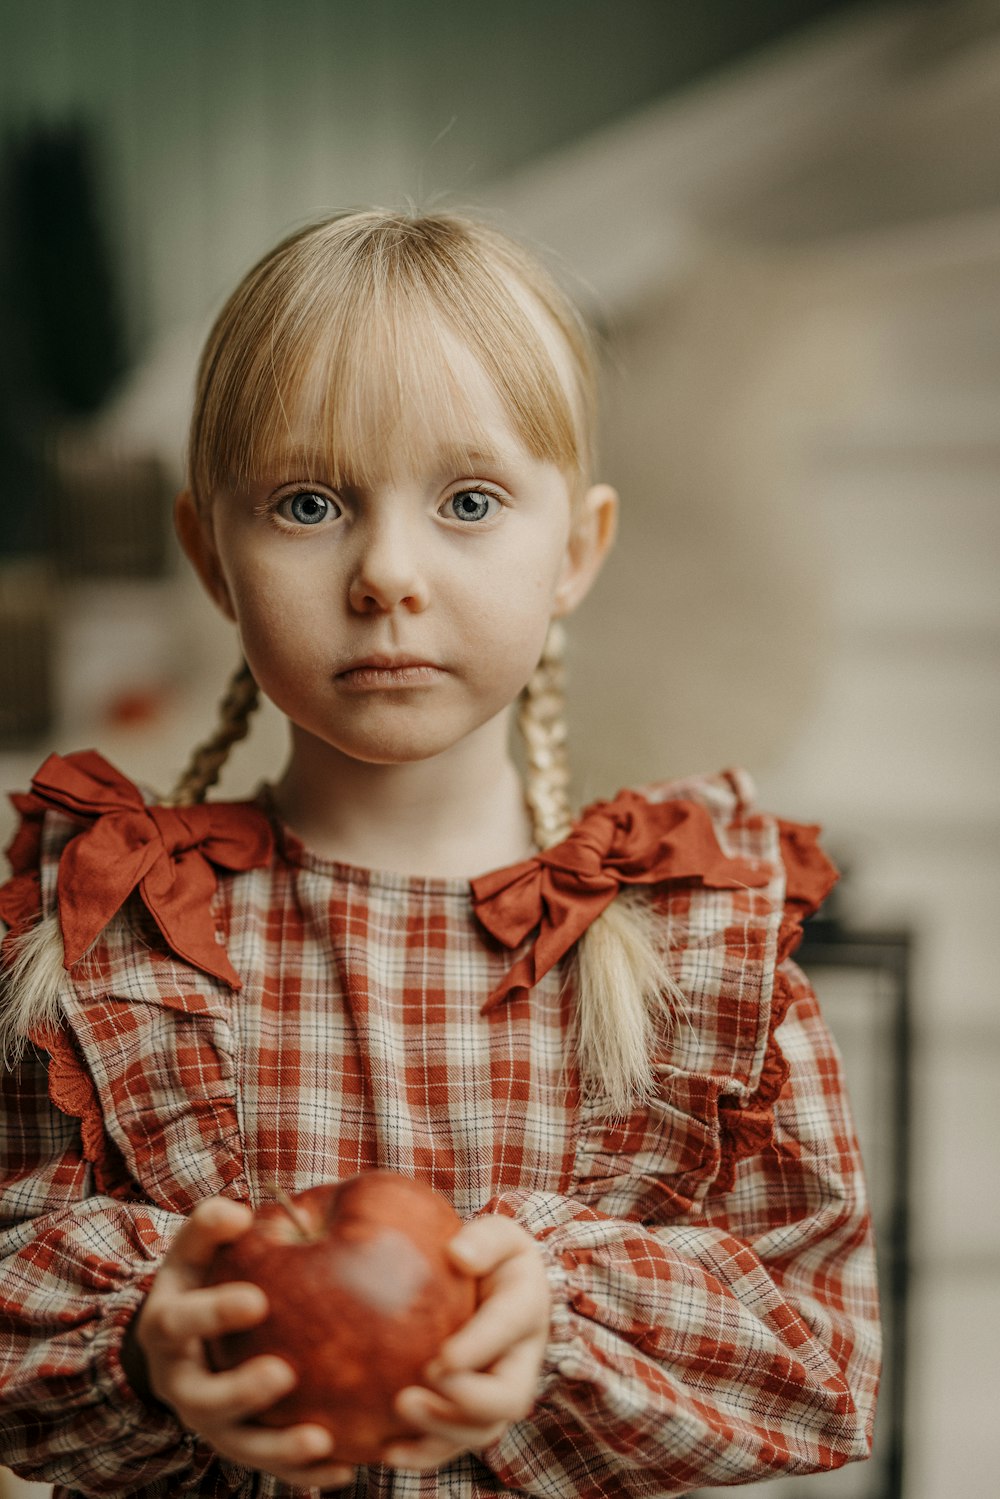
x=560, y=892
x=176, y=833
x=169, y=853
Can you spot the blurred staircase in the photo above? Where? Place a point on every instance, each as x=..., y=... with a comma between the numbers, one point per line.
x=869, y=170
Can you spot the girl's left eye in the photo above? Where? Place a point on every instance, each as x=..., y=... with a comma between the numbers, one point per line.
x=472, y=505
x=306, y=507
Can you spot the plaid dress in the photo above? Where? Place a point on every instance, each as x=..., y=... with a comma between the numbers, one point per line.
x=256, y=1014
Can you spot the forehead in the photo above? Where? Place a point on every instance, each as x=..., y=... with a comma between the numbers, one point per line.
x=441, y=412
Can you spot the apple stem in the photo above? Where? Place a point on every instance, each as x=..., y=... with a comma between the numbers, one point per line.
x=284, y=1201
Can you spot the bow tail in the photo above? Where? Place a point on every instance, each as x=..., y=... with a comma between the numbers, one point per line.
x=98, y=871
x=563, y=923
x=178, y=892
x=519, y=979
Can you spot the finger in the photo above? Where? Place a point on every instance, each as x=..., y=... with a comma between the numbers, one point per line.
x=510, y=1316
x=175, y=1323
x=515, y=1298
x=423, y=1408
x=443, y=1436
x=205, y=1399
x=506, y=1393
x=301, y=1456
x=216, y=1221
x=483, y=1244
x=439, y=1420
x=207, y=1313
x=289, y=1447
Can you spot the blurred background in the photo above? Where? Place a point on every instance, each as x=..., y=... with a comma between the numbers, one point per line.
x=784, y=220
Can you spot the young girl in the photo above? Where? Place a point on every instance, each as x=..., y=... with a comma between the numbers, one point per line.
x=585, y=1030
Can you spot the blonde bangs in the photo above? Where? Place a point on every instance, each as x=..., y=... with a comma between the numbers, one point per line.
x=337, y=345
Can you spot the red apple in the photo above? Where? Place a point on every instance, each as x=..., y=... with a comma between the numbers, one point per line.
x=361, y=1296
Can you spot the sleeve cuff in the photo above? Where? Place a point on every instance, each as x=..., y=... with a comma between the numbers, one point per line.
x=140, y=1429
x=560, y=1323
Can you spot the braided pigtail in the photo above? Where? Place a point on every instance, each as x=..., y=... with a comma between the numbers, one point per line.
x=541, y=720
x=623, y=991
x=205, y=766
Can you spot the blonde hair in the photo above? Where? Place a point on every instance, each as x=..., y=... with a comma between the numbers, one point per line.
x=353, y=317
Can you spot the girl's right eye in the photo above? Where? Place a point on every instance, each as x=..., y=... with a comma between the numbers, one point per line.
x=306, y=507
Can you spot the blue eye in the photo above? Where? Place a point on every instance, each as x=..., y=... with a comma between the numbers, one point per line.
x=471, y=504
x=307, y=507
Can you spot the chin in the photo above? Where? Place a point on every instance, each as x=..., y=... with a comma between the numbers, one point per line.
x=400, y=754
x=400, y=737
x=393, y=748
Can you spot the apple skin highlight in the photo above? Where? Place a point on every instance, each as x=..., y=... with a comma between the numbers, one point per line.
x=361, y=1295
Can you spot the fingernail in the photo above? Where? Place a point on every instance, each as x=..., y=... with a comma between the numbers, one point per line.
x=318, y=1444
x=281, y=1375
x=252, y=1301
x=466, y=1253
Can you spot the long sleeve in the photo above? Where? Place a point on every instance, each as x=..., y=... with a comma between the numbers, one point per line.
x=74, y=1269
x=734, y=1344
x=83, y=1222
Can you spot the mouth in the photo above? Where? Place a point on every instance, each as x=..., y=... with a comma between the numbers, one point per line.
x=384, y=671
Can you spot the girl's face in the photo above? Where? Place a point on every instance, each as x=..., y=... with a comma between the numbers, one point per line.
x=391, y=620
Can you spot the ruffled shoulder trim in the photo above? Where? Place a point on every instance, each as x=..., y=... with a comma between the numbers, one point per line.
x=632, y=840
x=734, y=885
x=747, y=1124
x=88, y=845
x=728, y=795
x=728, y=944
x=21, y=895
x=809, y=878
x=114, y=844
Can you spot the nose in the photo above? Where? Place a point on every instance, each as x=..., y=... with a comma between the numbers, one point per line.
x=387, y=573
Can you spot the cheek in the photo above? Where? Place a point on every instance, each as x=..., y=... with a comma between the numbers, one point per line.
x=506, y=637
x=530, y=574
x=264, y=594
x=516, y=599
x=278, y=625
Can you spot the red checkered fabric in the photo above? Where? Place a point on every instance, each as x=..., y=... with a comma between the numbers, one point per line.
x=715, y=1311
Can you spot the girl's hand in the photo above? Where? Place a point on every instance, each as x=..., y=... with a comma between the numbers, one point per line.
x=170, y=1328
x=486, y=1375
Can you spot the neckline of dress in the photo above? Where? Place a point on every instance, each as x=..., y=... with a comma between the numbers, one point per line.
x=295, y=851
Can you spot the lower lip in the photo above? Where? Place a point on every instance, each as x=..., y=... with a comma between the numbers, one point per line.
x=386, y=678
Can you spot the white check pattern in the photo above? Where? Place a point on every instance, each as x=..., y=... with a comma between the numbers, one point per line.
x=715, y=1313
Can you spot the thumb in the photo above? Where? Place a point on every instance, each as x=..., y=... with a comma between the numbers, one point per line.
x=484, y=1244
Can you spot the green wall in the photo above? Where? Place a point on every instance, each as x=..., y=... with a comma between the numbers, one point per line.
x=220, y=123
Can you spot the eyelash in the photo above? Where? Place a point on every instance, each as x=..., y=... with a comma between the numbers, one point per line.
x=271, y=507
x=488, y=494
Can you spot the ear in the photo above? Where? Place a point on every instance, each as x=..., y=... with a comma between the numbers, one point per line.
x=590, y=540
x=195, y=534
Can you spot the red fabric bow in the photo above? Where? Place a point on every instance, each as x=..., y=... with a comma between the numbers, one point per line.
x=627, y=841
x=168, y=852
